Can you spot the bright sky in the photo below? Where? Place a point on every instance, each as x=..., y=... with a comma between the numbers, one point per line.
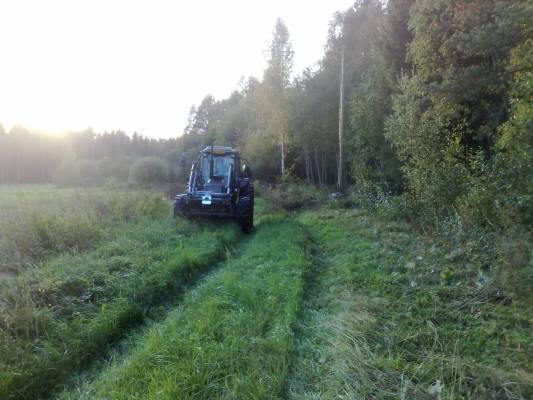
x=140, y=65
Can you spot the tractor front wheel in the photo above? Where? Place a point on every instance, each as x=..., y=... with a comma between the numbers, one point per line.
x=245, y=216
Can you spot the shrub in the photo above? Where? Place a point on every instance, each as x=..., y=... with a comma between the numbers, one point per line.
x=292, y=193
x=149, y=170
x=77, y=173
x=121, y=168
x=105, y=167
x=88, y=172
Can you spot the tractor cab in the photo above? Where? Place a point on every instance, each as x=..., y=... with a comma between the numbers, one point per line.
x=216, y=167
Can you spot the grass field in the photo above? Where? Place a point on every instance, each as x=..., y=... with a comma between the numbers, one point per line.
x=392, y=314
x=57, y=316
x=37, y=222
x=231, y=338
x=323, y=304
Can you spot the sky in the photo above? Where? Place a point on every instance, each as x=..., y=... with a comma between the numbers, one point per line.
x=139, y=66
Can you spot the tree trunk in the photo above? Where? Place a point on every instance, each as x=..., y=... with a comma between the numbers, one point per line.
x=341, y=122
x=324, y=169
x=308, y=165
x=317, y=163
x=18, y=166
x=282, y=156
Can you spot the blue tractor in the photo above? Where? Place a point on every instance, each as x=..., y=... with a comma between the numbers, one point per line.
x=218, y=187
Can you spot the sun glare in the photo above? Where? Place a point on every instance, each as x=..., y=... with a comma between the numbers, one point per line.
x=138, y=65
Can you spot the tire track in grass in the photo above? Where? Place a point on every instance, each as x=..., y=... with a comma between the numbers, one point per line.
x=33, y=368
x=232, y=337
x=330, y=317
x=384, y=321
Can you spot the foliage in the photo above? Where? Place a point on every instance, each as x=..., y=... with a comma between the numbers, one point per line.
x=31, y=156
x=437, y=108
x=373, y=162
x=78, y=173
x=291, y=194
x=149, y=170
x=447, y=112
x=428, y=84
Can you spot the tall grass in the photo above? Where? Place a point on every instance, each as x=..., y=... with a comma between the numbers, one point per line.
x=37, y=222
x=57, y=317
x=232, y=338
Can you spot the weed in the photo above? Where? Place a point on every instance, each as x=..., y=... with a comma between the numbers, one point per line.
x=38, y=222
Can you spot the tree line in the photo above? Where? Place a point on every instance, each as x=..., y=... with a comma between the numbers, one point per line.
x=436, y=99
x=81, y=158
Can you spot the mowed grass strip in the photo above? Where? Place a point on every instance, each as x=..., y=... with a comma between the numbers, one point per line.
x=231, y=338
x=55, y=319
x=397, y=315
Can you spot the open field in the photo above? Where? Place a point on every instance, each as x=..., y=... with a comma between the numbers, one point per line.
x=321, y=304
x=40, y=221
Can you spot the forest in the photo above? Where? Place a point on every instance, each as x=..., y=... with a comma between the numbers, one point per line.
x=434, y=114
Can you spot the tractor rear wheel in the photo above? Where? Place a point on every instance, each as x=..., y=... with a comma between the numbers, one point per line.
x=245, y=216
x=178, y=208
x=251, y=194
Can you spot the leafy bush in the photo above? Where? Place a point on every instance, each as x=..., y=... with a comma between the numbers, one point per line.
x=77, y=173
x=149, y=170
x=292, y=193
x=121, y=168
x=105, y=167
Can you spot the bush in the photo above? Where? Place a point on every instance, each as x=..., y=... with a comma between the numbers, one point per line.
x=88, y=172
x=121, y=168
x=292, y=193
x=77, y=173
x=105, y=167
x=383, y=203
x=149, y=170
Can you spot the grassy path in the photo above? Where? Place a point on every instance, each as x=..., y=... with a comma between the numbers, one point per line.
x=325, y=305
x=321, y=366
x=231, y=339
x=394, y=315
x=60, y=317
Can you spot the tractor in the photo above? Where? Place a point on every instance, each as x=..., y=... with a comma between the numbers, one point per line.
x=218, y=188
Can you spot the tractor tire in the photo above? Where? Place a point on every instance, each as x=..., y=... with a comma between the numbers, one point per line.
x=178, y=209
x=245, y=213
x=251, y=193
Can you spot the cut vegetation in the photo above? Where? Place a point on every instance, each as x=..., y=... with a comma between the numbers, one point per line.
x=231, y=338
x=392, y=314
x=56, y=317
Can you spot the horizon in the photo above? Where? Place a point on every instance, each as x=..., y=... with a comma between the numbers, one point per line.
x=136, y=67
